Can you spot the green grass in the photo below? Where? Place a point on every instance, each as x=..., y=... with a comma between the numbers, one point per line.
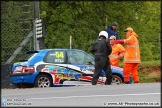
x=149, y=79
x=150, y=63
x=145, y=63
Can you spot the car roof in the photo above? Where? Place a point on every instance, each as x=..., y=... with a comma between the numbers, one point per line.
x=59, y=49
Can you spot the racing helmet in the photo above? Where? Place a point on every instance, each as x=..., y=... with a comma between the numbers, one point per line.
x=103, y=33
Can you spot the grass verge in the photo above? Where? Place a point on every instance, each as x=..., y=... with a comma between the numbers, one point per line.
x=148, y=71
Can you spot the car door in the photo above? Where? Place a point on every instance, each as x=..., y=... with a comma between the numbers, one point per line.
x=83, y=63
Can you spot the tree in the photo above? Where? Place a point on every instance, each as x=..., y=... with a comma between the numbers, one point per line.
x=83, y=20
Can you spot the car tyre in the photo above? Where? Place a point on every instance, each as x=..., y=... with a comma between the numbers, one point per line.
x=116, y=79
x=43, y=80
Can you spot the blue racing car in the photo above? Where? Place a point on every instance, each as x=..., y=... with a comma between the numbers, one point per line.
x=58, y=67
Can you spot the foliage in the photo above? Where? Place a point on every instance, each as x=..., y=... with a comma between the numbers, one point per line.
x=83, y=20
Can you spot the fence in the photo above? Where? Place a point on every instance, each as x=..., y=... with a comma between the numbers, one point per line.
x=16, y=24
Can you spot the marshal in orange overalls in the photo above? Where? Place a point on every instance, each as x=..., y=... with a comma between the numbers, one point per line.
x=116, y=54
x=131, y=55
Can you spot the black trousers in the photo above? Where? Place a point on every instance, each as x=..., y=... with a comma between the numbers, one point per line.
x=102, y=63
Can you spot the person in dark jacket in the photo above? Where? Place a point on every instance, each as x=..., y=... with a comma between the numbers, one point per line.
x=101, y=49
x=111, y=30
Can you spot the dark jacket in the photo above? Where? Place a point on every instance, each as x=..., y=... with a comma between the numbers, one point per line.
x=111, y=32
x=101, y=47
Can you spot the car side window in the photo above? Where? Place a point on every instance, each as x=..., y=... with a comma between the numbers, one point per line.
x=55, y=56
x=88, y=60
x=73, y=57
x=78, y=57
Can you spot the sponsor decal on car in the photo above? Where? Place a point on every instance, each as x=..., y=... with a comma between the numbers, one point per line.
x=45, y=70
x=62, y=73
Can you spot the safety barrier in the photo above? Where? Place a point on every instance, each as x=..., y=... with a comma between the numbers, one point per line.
x=5, y=76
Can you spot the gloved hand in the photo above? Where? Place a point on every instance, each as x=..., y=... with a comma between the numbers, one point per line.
x=118, y=41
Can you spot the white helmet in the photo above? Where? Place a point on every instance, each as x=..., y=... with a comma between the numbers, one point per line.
x=103, y=33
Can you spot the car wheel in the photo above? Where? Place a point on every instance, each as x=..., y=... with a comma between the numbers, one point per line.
x=116, y=79
x=43, y=80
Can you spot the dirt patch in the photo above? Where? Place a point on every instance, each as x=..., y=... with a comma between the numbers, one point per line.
x=156, y=71
x=150, y=71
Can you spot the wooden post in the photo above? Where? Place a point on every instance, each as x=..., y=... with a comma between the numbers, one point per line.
x=106, y=23
x=70, y=41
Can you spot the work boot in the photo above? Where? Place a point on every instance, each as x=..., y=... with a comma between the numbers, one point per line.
x=108, y=83
x=126, y=82
x=94, y=84
x=136, y=82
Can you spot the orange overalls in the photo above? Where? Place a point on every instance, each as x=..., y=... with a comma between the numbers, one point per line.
x=116, y=54
x=131, y=57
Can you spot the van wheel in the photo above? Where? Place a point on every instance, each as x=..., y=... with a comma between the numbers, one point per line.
x=43, y=80
x=116, y=79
